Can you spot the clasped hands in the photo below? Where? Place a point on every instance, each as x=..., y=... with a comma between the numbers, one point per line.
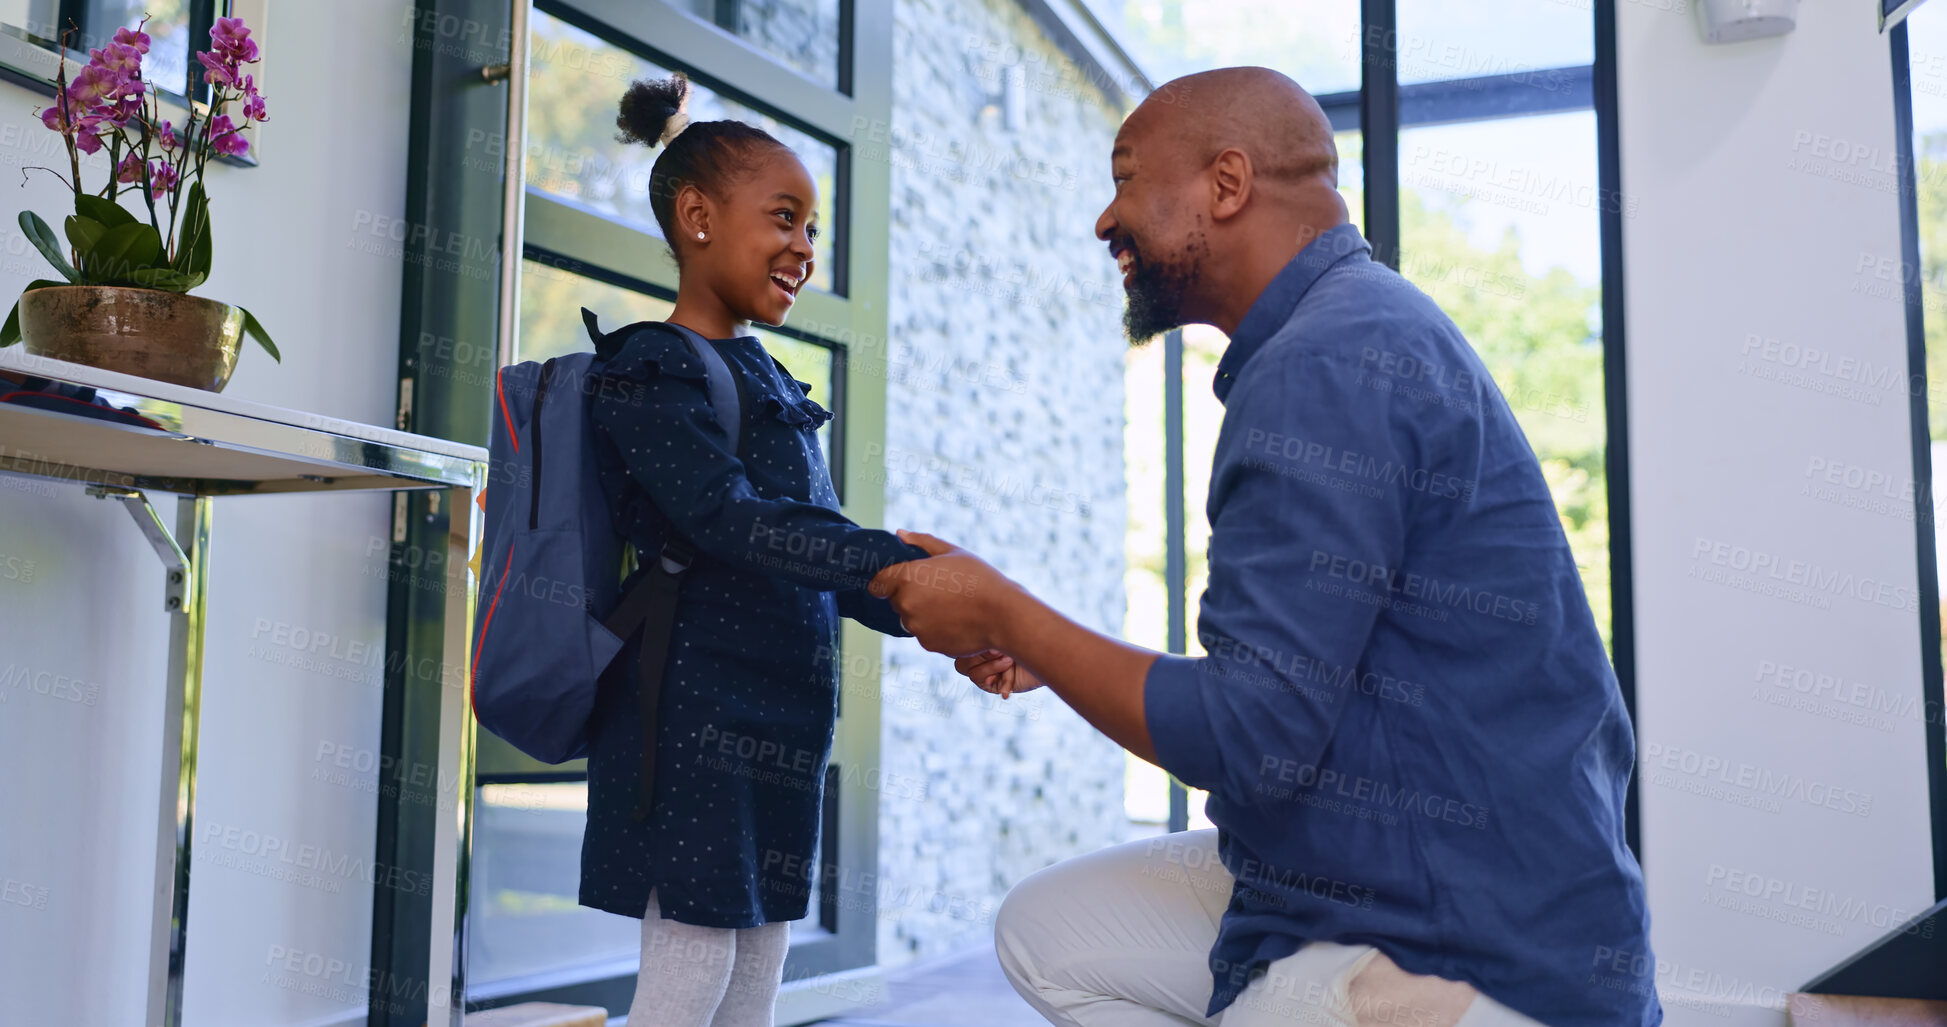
x=958, y=605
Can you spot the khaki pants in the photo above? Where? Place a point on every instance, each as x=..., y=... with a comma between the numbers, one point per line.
x=1122, y=938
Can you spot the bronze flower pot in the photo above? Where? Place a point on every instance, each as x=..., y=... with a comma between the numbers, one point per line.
x=168, y=336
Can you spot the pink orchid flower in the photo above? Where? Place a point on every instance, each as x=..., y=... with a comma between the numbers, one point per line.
x=133, y=37
x=162, y=178
x=232, y=38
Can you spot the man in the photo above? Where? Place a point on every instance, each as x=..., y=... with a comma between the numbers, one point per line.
x=1415, y=748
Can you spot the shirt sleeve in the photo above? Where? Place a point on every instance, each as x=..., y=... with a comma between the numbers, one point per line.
x=1310, y=496
x=872, y=611
x=653, y=401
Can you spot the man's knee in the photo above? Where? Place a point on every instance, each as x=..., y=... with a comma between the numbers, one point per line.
x=1381, y=994
x=1022, y=924
x=1013, y=929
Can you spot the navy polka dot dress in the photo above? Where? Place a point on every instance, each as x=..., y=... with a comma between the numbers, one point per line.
x=749, y=695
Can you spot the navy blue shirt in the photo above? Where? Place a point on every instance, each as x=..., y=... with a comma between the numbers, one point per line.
x=750, y=691
x=1408, y=726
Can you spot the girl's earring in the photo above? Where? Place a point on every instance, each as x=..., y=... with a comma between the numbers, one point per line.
x=699, y=236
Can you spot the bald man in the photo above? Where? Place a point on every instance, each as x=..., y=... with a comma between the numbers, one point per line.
x=1414, y=745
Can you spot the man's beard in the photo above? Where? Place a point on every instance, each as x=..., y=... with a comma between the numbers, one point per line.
x=1155, y=294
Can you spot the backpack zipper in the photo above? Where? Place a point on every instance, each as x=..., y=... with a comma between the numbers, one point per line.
x=534, y=437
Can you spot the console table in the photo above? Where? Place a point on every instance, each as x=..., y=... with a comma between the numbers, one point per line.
x=208, y=446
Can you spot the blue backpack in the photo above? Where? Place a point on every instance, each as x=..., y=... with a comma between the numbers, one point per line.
x=551, y=614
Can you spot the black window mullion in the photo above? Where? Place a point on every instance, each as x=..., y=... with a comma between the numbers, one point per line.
x=1485, y=98
x=1622, y=587
x=202, y=17
x=72, y=16
x=531, y=777
x=841, y=222
x=836, y=460
x=830, y=875
x=445, y=198
x=1918, y=393
x=845, y=46
x=1175, y=557
x=1379, y=125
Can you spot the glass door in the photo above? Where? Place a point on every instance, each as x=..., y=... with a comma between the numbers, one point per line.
x=590, y=240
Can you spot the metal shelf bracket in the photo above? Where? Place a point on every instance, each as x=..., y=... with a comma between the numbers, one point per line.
x=174, y=560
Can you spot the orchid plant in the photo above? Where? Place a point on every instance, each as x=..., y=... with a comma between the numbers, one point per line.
x=108, y=106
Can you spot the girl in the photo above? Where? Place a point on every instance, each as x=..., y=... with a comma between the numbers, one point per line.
x=723, y=859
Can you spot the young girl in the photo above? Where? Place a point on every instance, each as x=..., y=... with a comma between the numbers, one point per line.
x=723, y=860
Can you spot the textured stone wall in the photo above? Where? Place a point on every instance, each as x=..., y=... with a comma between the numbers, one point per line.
x=801, y=33
x=1005, y=418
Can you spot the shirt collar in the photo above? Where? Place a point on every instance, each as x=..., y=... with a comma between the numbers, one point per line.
x=1274, y=305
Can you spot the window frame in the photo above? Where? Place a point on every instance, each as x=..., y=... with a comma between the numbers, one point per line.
x=569, y=237
x=33, y=62
x=709, y=61
x=725, y=17
x=459, y=100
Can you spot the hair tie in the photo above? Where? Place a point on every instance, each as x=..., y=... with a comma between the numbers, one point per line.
x=677, y=122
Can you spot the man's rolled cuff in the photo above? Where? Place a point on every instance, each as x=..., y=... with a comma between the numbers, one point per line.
x=1179, y=723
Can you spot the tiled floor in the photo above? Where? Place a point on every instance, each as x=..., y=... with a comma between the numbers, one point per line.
x=964, y=991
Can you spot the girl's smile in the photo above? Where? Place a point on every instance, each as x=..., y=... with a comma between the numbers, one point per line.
x=756, y=251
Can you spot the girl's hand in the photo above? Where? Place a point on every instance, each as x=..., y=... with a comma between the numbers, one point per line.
x=953, y=602
x=995, y=672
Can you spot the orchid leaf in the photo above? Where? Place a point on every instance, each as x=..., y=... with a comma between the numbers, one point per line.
x=124, y=250
x=84, y=232
x=101, y=209
x=255, y=330
x=10, y=332
x=193, y=249
x=43, y=239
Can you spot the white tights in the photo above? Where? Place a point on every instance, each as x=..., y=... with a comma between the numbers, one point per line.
x=707, y=976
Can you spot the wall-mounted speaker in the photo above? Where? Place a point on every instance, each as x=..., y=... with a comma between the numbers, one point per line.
x=1734, y=21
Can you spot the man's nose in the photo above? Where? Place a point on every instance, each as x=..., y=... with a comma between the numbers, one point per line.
x=1105, y=223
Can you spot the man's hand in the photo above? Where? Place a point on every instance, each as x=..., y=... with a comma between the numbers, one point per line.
x=958, y=605
x=954, y=603
x=996, y=672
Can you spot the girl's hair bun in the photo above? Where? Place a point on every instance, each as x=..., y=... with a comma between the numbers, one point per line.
x=652, y=110
x=709, y=155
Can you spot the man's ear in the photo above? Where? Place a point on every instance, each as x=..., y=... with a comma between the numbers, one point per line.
x=1231, y=179
x=692, y=212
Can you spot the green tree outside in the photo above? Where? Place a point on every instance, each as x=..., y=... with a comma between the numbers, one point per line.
x=1541, y=339
x=1930, y=153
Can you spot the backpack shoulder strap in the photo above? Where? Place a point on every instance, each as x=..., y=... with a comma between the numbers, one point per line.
x=722, y=384
x=724, y=387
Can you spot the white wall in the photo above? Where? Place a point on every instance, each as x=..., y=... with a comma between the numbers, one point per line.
x=1765, y=207
x=294, y=243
